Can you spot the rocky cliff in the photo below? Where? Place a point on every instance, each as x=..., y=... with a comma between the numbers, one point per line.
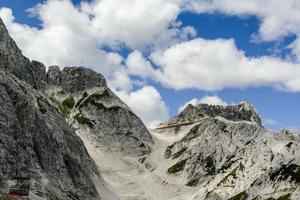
x=84, y=100
x=44, y=114
x=227, y=153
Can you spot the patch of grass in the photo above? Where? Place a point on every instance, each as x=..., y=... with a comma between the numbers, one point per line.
x=286, y=171
x=179, y=153
x=69, y=102
x=193, y=133
x=81, y=119
x=192, y=183
x=61, y=92
x=210, y=165
x=227, y=164
x=177, y=167
x=60, y=108
x=232, y=173
x=285, y=197
x=256, y=198
x=85, y=95
x=240, y=196
x=92, y=99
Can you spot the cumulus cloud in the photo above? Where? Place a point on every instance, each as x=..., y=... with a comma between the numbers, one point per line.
x=147, y=104
x=76, y=35
x=217, y=64
x=211, y=100
x=73, y=35
x=65, y=39
x=269, y=121
x=138, y=65
x=138, y=23
x=278, y=18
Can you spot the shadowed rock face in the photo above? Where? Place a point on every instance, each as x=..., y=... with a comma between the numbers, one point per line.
x=39, y=113
x=75, y=79
x=36, y=142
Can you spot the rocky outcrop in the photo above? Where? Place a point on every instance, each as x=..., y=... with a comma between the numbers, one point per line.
x=89, y=106
x=240, y=112
x=41, y=117
x=12, y=59
x=35, y=139
x=75, y=79
x=36, y=142
x=228, y=154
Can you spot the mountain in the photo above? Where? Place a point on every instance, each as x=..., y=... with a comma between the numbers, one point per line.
x=226, y=153
x=76, y=140
x=43, y=117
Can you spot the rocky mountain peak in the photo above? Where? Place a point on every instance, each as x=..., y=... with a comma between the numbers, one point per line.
x=243, y=111
x=75, y=79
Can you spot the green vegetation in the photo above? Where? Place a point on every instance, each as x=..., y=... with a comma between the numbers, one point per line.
x=69, y=102
x=85, y=95
x=193, y=133
x=240, y=196
x=210, y=165
x=92, y=99
x=227, y=164
x=286, y=171
x=179, y=153
x=81, y=119
x=232, y=173
x=177, y=167
x=60, y=108
x=192, y=183
x=284, y=197
x=61, y=92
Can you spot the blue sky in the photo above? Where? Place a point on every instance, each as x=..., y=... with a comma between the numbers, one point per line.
x=279, y=107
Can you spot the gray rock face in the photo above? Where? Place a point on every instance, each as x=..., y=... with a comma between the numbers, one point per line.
x=226, y=153
x=241, y=112
x=75, y=79
x=53, y=75
x=11, y=56
x=37, y=72
x=99, y=115
x=36, y=142
x=13, y=61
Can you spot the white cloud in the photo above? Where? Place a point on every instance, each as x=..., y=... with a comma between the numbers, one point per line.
x=138, y=23
x=272, y=13
x=211, y=100
x=147, y=104
x=278, y=18
x=74, y=35
x=138, y=65
x=65, y=39
x=269, y=121
x=120, y=81
x=217, y=64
